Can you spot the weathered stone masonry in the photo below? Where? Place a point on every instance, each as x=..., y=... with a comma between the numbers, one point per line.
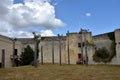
x=46, y=43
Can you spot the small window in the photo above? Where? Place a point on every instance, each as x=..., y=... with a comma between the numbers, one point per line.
x=79, y=44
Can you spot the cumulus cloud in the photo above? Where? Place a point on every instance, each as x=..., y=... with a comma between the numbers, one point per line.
x=36, y=13
x=4, y=4
x=33, y=13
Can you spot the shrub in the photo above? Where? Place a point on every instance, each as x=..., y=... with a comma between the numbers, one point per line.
x=27, y=56
x=101, y=55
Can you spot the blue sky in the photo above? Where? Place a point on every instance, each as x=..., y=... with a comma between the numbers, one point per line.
x=104, y=15
x=58, y=16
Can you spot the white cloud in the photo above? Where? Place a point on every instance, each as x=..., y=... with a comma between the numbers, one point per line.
x=33, y=13
x=88, y=14
x=4, y=4
x=46, y=33
x=24, y=34
x=36, y=13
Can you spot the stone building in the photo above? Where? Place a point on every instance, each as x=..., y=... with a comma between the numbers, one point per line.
x=72, y=41
x=70, y=49
x=6, y=51
x=51, y=46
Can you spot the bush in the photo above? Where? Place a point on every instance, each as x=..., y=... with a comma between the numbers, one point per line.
x=101, y=55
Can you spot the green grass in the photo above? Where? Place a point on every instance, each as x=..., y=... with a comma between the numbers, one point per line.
x=64, y=72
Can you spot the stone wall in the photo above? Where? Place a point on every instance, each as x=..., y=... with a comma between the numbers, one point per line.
x=99, y=41
x=7, y=45
x=117, y=38
x=102, y=41
x=74, y=39
x=47, y=43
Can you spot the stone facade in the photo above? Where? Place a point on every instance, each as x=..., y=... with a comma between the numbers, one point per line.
x=47, y=44
x=103, y=40
x=6, y=44
x=117, y=37
x=74, y=50
x=71, y=41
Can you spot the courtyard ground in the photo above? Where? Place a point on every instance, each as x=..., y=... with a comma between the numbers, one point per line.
x=63, y=72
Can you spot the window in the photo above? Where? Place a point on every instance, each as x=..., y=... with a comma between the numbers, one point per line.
x=79, y=44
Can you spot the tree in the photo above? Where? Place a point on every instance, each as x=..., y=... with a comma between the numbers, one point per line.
x=27, y=56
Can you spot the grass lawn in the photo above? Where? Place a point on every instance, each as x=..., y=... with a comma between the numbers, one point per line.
x=64, y=72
